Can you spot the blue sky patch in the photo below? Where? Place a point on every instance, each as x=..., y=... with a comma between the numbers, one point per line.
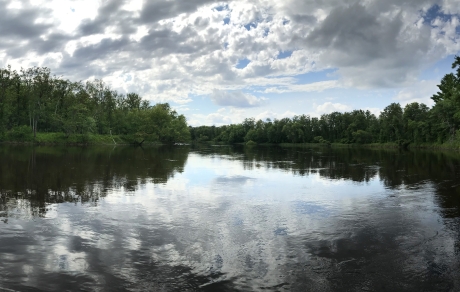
x=435, y=12
x=221, y=7
x=439, y=69
x=317, y=76
x=243, y=63
x=284, y=54
x=250, y=25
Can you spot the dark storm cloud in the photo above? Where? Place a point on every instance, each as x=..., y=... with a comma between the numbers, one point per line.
x=109, y=14
x=20, y=33
x=21, y=24
x=159, y=42
x=105, y=51
x=154, y=11
x=79, y=70
x=358, y=41
x=164, y=42
x=54, y=42
x=16, y=51
x=101, y=50
x=353, y=30
x=305, y=19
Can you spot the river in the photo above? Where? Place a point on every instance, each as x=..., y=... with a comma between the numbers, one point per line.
x=228, y=218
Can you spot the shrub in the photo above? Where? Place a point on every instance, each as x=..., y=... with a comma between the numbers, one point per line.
x=320, y=139
x=20, y=134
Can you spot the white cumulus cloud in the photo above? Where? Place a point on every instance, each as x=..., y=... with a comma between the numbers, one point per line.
x=236, y=99
x=329, y=107
x=421, y=92
x=174, y=51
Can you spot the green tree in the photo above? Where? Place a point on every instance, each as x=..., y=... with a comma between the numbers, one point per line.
x=416, y=126
x=447, y=104
x=391, y=122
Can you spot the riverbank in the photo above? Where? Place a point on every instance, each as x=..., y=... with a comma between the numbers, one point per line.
x=432, y=146
x=96, y=139
x=78, y=139
x=390, y=145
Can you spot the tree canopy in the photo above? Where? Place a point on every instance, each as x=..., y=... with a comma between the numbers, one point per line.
x=416, y=123
x=33, y=100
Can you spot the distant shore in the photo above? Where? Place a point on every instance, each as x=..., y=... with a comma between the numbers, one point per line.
x=96, y=139
x=432, y=146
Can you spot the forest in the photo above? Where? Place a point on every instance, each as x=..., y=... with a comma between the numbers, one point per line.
x=33, y=102
x=415, y=124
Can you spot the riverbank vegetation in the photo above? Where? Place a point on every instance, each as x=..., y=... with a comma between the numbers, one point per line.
x=36, y=106
x=416, y=124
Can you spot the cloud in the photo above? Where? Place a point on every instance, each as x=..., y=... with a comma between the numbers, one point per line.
x=173, y=50
x=21, y=28
x=236, y=99
x=316, y=86
x=273, y=115
x=374, y=110
x=329, y=107
x=153, y=11
x=223, y=116
x=22, y=23
x=421, y=92
x=371, y=48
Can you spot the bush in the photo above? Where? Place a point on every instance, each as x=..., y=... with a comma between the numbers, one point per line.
x=320, y=139
x=20, y=134
x=251, y=143
x=203, y=138
x=79, y=139
x=362, y=137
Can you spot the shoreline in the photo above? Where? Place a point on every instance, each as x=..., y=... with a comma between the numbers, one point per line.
x=390, y=145
x=60, y=139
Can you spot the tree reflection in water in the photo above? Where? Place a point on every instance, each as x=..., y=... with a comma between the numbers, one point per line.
x=229, y=218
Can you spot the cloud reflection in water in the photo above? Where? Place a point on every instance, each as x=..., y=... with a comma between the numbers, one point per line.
x=343, y=227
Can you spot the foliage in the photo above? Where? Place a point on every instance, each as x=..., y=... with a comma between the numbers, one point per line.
x=33, y=101
x=19, y=134
x=415, y=124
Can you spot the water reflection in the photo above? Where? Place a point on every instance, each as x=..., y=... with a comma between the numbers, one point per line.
x=36, y=176
x=229, y=218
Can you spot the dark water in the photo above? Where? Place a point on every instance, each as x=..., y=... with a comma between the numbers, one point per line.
x=228, y=219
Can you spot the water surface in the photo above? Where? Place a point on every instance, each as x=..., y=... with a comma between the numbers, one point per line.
x=228, y=219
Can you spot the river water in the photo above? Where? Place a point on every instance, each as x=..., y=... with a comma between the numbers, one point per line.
x=222, y=218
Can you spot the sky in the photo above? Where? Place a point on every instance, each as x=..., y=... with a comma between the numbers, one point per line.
x=219, y=62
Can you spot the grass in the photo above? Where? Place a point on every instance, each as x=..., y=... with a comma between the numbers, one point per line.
x=454, y=145
x=61, y=138
x=75, y=139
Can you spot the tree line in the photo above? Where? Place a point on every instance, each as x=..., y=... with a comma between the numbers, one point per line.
x=416, y=123
x=35, y=101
